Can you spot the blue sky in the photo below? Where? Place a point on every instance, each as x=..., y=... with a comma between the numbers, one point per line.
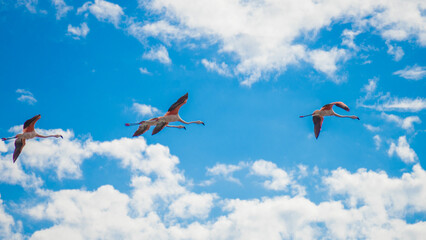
x=250, y=68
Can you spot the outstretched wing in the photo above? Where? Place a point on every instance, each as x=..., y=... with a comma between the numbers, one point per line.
x=141, y=130
x=339, y=104
x=159, y=127
x=19, y=145
x=29, y=124
x=317, y=125
x=174, y=109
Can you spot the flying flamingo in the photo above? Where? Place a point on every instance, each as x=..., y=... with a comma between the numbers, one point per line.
x=28, y=133
x=327, y=110
x=172, y=115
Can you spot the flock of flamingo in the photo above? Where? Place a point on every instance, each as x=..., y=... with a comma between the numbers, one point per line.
x=172, y=115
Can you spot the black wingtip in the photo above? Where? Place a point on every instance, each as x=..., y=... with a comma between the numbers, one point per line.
x=184, y=128
x=358, y=118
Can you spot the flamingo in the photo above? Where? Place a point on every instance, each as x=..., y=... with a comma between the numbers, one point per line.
x=28, y=133
x=172, y=115
x=327, y=110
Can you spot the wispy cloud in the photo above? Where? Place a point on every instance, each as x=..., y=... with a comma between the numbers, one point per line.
x=221, y=69
x=405, y=123
x=78, y=32
x=413, y=73
x=61, y=8
x=371, y=128
x=385, y=102
x=103, y=11
x=403, y=150
x=26, y=96
x=158, y=54
x=377, y=141
x=395, y=51
x=144, y=110
x=226, y=171
x=144, y=71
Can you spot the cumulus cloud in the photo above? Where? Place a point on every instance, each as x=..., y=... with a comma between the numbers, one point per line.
x=61, y=8
x=279, y=178
x=9, y=229
x=412, y=73
x=405, y=123
x=144, y=110
x=267, y=37
x=159, y=53
x=78, y=32
x=326, y=61
x=403, y=150
x=161, y=204
x=221, y=69
x=26, y=96
x=103, y=11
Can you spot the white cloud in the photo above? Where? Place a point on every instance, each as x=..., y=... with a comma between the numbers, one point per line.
x=413, y=73
x=61, y=8
x=377, y=141
x=326, y=61
x=384, y=102
x=403, y=150
x=396, y=52
x=226, y=170
x=26, y=96
x=371, y=128
x=405, y=123
x=144, y=71
x=192, y=205
x=279, y=178
x=221, y=69
x=11, y=173
x=9, y=229
x=158, y=54
x=103, y=11
x=78, y=32
x=144, y=110
x=29, y=4
x=160, y=204
x=265, y=37
x=348, y=37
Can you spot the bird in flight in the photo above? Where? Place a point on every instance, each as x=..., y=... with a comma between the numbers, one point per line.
x=327, y=110
x=172, y=115
x=28, y=133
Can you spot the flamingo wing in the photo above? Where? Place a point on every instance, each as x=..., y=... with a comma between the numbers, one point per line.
x=174, y=109
x=159, y=127
x=19, y=145
x=341, y=105
x=317, y=125
x=29, y=124
x=141, y=130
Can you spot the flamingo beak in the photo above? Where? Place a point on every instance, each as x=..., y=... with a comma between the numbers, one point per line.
x=62, y=137
x=184, y=128
x=357, y=118
x=203, y=124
